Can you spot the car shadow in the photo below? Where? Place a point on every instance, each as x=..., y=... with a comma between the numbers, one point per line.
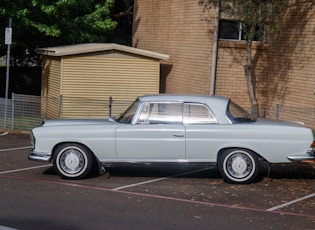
x=50, y=171
x=151, y=171
x=294, y=170
x=163, y=171
x=94, y=173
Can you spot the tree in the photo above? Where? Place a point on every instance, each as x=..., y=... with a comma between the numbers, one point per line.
x=122, y=13
x=42, y=23
x=256, y=17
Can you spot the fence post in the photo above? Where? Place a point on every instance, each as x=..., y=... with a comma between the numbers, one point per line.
x=60, y=106
x=12, y=110
x=277, y=111
x=110, y=106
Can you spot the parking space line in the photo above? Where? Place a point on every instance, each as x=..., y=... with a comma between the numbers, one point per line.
x=12, y=149
x=159, y=179
x=24, y=169
x=5, y=133
x=291, y=202
x=141, y=183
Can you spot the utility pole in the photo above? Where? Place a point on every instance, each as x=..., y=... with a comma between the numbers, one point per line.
x=8, y=41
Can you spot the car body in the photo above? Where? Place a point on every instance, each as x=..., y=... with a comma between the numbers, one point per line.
x=179, y=129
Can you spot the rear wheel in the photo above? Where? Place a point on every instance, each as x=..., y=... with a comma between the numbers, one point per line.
x=72, y=161
x=238, y=166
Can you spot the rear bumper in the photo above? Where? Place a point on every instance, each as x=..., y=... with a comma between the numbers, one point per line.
x=39, y=156
x=309, y=156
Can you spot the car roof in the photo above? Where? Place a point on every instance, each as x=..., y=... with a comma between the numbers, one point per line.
x=217, y=104
x=184, y=98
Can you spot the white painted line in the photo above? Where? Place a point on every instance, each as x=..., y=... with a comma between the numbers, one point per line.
x=6, y=228
x=141, y=183
x=5, y=133
x=25, y=169
x=12, y=149
x=158, y=179
x=291, y=202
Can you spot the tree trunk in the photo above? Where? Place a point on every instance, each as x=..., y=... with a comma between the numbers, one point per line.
x=249, y=80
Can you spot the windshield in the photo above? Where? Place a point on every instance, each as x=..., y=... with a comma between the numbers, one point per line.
x=128, y=115
x=237, y=114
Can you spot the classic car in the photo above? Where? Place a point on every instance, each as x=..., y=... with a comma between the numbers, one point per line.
x=164, y=129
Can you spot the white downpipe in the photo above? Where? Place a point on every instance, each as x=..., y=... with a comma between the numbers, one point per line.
x=215, y=48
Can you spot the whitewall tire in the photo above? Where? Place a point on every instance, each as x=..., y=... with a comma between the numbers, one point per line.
x=238, y=166
x=72, y=161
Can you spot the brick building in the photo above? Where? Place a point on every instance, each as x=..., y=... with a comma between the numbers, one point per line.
x=284, y=75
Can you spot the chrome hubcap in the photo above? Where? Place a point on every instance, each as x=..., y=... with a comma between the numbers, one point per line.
x=239, y=166
x=72, y=161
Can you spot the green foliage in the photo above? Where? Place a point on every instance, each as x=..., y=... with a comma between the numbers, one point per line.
x=42, y=23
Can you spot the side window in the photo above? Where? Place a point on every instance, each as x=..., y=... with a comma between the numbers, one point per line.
x=161, y=113
x=198, y=114
x=144, y=115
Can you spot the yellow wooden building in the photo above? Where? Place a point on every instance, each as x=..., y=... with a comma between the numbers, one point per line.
x=78, y=79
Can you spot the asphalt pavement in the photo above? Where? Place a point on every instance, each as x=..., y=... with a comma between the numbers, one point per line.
x=33, y=196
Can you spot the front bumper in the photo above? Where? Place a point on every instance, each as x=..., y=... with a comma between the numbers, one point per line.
x=39, y=156
x=309, y=156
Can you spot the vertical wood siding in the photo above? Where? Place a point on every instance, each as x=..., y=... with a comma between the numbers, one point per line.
x=96, y=78
x=51, y=87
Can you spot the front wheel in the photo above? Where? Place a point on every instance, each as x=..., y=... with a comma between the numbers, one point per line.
x=72, y=161
x=238, y=166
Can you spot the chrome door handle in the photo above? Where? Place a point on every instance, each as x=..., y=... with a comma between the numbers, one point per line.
x=178, y=135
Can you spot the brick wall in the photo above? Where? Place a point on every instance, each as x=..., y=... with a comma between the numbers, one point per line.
x=290, y=66
x=176, y=28
x=284, y=74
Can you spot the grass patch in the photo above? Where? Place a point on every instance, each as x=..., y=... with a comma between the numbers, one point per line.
x=23, y=123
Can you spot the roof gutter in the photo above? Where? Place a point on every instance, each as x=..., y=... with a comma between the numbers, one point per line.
x=215, y=48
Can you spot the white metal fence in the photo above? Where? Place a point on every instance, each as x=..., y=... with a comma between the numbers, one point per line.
x=25, y=112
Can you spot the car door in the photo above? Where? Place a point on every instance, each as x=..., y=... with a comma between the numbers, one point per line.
x=157, y=134
x=202, y=131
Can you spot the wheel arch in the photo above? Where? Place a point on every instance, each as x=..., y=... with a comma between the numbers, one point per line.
x=233, y=171
x=222, y=150
x=101, y=169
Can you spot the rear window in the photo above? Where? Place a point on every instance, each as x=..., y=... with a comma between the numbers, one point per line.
x=198, y=114
x=237, y=114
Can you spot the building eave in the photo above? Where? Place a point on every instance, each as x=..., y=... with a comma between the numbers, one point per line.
x=59, y=51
